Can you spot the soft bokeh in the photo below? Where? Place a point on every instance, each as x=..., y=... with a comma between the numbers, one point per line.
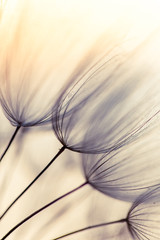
x=52, y=41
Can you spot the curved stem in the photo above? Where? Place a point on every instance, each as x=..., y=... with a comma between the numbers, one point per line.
x=90, y=227
x=41, y=209
x=33, y=181
x=10, y=142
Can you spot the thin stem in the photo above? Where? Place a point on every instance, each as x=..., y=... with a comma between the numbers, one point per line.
x=33, y=181
x=90, y=227
x=43, y=208
x=10, y=142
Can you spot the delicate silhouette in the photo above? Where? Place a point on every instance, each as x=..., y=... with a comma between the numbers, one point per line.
x=126, y=172
x=144, y=216
x=95, y=57
x=113, y=103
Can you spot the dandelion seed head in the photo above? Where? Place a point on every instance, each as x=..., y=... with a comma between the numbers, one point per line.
x=127, y=172
x=144, y=215
x=113, y=102
x=35, y=60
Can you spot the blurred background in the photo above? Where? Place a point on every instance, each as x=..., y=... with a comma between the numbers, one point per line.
x=60, y=34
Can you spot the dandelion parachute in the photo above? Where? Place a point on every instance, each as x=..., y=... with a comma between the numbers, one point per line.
x=144, y=215
x=126, y=172
x=113, y=103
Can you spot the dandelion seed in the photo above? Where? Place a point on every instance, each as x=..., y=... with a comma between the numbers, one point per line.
x=103, y=116
x=25, y=83
x=113, y=103
x=127, y=172
x=91, y=59
x=35, y=62
x=24, y=80
x=29, y=88
x=144, y=216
